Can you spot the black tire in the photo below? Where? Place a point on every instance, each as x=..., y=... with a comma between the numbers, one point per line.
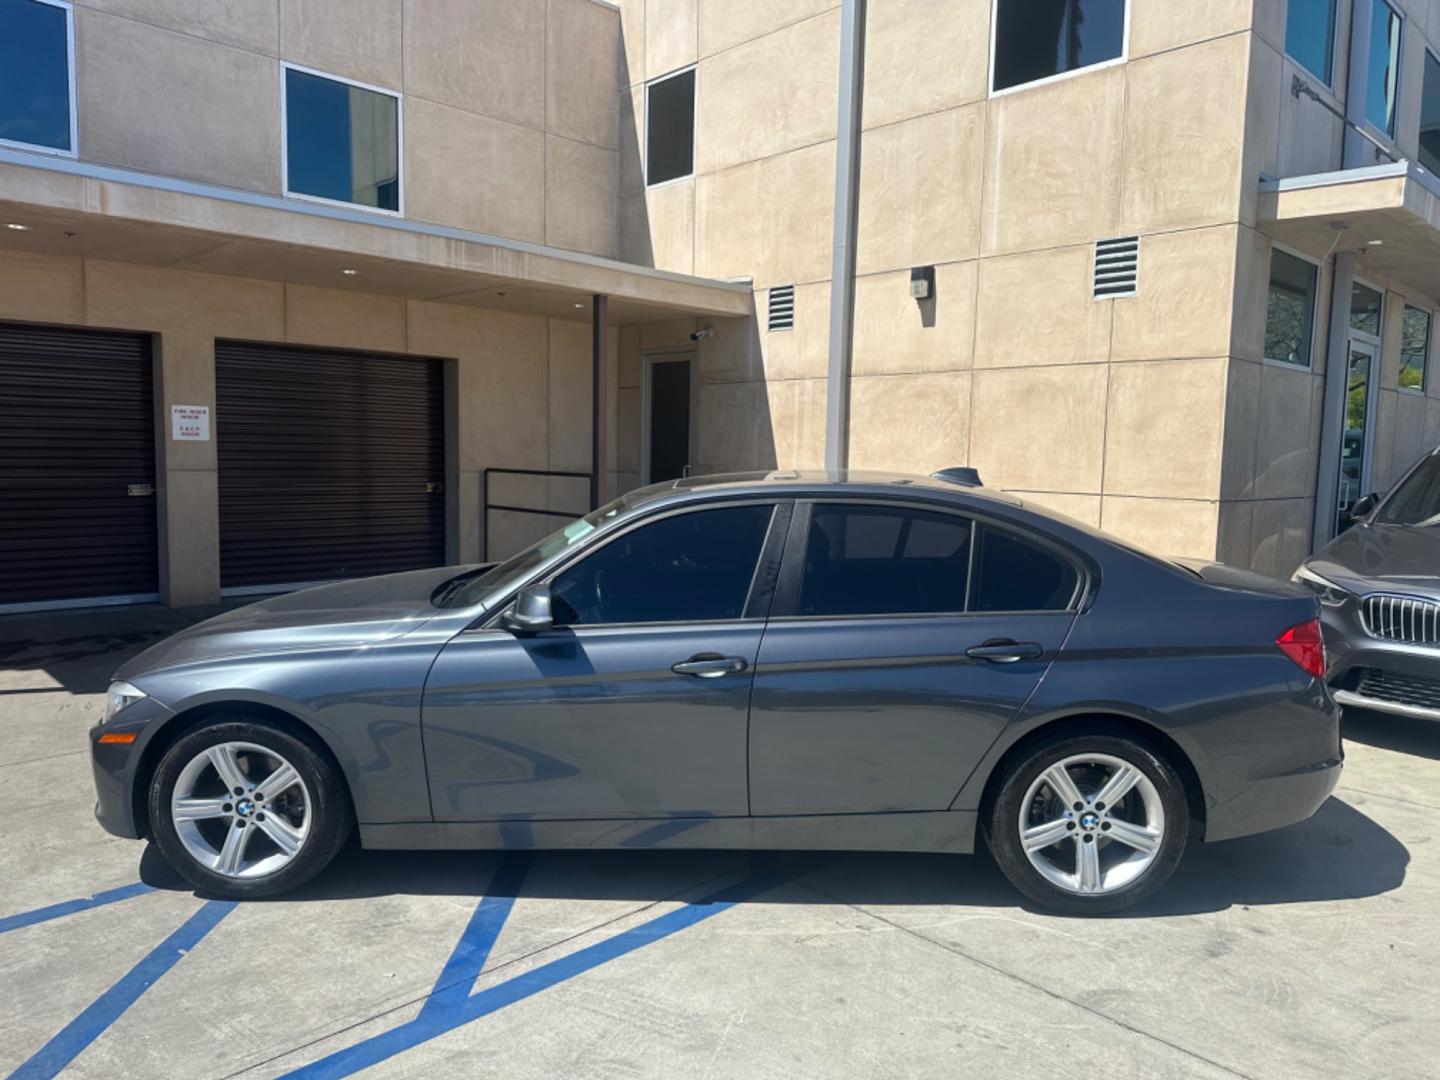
x=330, y=797
x=1001, y=821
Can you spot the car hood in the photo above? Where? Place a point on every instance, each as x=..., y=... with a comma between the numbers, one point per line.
x=360, y=612
x=1383, y=558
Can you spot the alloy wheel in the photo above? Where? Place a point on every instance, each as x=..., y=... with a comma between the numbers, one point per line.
x=1092, y=824
x=241, y=810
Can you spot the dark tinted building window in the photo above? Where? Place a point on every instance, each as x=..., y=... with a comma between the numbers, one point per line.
x=1012, y=574
x=670, y=128
x=342, y=142
x=1035, y=39
x=35, y=74
x=1430, y=116
x=1290, y=309
x=1310, y=35
x=884, y=560
x=1383, y=91
x=692, y=567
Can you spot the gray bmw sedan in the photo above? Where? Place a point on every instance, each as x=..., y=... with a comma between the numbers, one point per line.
x=790, y=660
x=1379, y=589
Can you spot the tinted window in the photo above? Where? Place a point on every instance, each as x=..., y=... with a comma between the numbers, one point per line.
x=1310, y=35
x=1417, y=500
x=1430, y=116
x=686, y=568
x=1290, y=309
x=1035, y=39
x=35, y=74
x=1414, y=346
x=342, y=142
x=1365, y=308
x=670, y=128
x=1012, y=574
x=884, y=560
x=1384, y=76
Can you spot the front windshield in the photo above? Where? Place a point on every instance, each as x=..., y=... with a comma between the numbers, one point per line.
x=1417, y=500
x=471, y=590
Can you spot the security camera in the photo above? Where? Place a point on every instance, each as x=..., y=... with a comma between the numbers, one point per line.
x=703, y=333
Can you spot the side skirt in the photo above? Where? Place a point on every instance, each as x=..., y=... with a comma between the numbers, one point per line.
x=940, y=831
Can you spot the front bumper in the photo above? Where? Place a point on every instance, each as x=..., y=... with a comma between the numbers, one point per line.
x=1375, y=673
x=115, y=766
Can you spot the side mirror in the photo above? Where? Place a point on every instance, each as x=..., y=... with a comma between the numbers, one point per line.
x=1364, y=506
x=530, y=613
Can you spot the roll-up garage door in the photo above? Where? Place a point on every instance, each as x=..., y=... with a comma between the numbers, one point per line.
x=77, y=468
x=331, y=464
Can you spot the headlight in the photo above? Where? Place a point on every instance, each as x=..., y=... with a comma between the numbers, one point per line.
x=120, y=695
x=1330, y=594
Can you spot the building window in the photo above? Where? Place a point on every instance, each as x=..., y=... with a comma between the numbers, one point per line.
x=670, y=127
x=1383, y=79
x=342, y=141
x=1310, y=36
x=1365, y=308
x=1430, y=116
x=1041, y=39
x=1414, y=348
x=37, y=75
x=1290, y=311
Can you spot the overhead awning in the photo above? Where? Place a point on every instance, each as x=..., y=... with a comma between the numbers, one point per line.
x=78, y=208
x=1388, y=214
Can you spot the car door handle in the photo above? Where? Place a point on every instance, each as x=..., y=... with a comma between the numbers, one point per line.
x=1006, y=652
x=710, y=665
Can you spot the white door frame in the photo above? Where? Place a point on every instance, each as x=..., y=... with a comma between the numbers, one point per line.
x=647, y=364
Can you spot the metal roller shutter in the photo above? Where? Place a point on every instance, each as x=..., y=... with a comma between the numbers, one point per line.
x=77, y=468
x=331, y=464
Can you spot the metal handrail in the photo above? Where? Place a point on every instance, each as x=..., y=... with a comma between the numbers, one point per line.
x=1299, y=87
x=486, y=505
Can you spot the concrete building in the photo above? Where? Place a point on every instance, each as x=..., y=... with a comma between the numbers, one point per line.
x=285, y=286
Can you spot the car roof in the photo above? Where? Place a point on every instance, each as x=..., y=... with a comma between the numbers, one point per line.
x=812, y=482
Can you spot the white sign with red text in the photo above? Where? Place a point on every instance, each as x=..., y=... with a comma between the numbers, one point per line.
x=190, y=423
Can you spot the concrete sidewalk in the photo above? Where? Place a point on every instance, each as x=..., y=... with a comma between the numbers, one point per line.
x=1310, y=952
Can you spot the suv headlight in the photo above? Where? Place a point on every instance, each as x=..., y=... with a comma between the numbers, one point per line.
x=120, y=695
x=1330, y=594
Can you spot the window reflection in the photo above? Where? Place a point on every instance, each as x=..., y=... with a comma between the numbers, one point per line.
x=35, y=74
x=342, y=141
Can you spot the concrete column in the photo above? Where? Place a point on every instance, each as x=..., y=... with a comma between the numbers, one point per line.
x=599, y=399
x=1332, y=419
x=188, y=488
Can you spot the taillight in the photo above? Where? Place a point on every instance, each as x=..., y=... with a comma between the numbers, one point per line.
x=1305, y=644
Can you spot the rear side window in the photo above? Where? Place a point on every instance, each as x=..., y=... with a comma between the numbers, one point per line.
x=691, y=567
x=884, y=560
x=1012, y=574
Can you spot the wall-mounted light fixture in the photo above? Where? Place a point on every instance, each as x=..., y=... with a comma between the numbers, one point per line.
x=922, y=282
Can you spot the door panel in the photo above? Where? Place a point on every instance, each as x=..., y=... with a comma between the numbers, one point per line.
x=589, y=722
x=888, y=714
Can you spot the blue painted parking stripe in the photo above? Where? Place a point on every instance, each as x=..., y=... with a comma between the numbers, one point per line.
x=473, y=949
x=70, y=907
x=428, y=1026
x=75, y=1036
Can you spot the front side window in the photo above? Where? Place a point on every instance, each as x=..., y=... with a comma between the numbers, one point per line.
x=1430, y=116
x=1039, y=39
x=1383, y=80
x=690, y=567
x=884, y=560
x=1310, y=36
x=1012, y=574
x=1417, y=500
x=1414, y=347
x=1290, y=309
x=670, y=128
x=342, y=141
x=36, y=106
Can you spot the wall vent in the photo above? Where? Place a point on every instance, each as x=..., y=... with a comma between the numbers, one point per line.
x=1117, y=267
x=782, y=308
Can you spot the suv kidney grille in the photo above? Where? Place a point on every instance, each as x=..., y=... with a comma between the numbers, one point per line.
x=1399, y=689
x=1402, y=618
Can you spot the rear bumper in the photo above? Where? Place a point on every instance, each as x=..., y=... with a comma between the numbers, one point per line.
x=1274, y=802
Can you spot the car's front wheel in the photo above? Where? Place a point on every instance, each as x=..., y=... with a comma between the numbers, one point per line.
x=1088, y=824
x=244, y=809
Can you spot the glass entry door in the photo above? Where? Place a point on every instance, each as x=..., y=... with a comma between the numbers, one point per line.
x=1358, y=430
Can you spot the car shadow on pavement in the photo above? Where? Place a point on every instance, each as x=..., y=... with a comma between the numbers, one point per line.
x=1403, y=734
x=1339, y=854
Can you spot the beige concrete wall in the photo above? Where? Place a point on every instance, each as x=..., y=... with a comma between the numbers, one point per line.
x=522, y=386
x=512, y=122
x=1113, y=410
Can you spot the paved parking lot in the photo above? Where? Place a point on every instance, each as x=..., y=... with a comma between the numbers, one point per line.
x=1311, y=952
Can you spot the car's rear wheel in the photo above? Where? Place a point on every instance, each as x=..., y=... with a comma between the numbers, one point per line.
x=1088, y=824
x=245, y=809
